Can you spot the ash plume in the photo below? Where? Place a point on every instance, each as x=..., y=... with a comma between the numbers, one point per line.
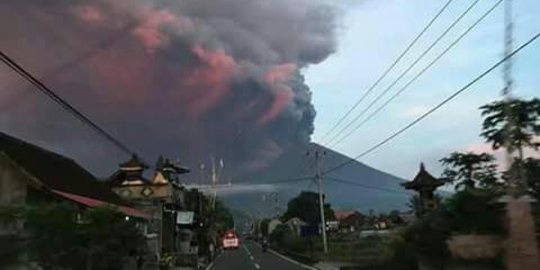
x=186, y=79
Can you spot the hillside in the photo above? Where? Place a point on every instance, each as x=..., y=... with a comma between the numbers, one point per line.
x=293, y=164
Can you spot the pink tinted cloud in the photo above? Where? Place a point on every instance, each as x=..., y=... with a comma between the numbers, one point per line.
x=127, y=73
x=150, y=31
x=277, y=78
x=280, y=74
x=89, y=14
x=204, y=86
x=499, y=154
x=480, y=148
x=281, y=99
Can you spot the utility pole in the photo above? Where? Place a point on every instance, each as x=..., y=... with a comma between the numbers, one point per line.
x=214, y=180
x=521, y=246
x=201, y=180
x=318, y=178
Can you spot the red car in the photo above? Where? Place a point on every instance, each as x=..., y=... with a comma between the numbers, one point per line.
x=230, y=241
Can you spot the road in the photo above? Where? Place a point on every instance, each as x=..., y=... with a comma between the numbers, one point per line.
x=250, y=257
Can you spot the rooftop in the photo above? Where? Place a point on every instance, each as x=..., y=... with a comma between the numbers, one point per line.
x=423, y=180
x=55, y=171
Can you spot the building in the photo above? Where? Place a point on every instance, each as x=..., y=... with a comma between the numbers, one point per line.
x=425, y=185
x=162, y=197
x=272, y=225
x=295, y=224
x=350, y=221
x=32, y=175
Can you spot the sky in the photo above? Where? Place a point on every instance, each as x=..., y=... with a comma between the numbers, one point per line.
x=373, y=33
x=244, y=80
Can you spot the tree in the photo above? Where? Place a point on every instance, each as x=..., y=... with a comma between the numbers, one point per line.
x=306, y=207
x=415, y=204
x=469, y=169
x=264, y=226
x=394, y=217
x=517, y=121
x=60, y=236
x=223, y=218
x=528, y=168
x=532, y=173
x=514, y=124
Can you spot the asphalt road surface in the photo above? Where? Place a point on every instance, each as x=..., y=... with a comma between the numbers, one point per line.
x=250, y=257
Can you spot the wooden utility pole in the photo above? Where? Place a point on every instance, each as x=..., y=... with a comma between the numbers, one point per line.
x=201, y=180
x=521, y=246
x=214, y=180
x=318, y=178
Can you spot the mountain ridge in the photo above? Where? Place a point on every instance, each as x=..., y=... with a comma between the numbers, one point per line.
x=371, y=188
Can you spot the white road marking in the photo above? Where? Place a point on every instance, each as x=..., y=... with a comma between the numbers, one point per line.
x=257, y=266
x=212, y=263
x=251, y=258
x=291, y=260
x=247, y=250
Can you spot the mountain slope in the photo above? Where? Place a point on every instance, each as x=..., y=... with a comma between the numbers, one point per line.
x=385, y=193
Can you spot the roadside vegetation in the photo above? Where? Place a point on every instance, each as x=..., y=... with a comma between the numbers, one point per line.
x=479, y=182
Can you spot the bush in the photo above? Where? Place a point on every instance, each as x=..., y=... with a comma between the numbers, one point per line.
x=398, y=254
x=62, y=238
x=474, y=212
x=284, y=238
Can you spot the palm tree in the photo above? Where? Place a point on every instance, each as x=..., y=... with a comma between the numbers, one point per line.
x=514, y=122
x=469, y=169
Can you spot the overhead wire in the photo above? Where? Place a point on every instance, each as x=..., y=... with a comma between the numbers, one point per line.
x=63, y=103
x=422, y=71
x=436, y=107
x=310, y=185
x=388, y=70
x=104, y=44
x=266, y=182
x=405, y=72
x=354, y=183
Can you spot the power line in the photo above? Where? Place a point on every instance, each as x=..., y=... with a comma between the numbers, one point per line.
x=427, y=67
x=276, y=180
x=104, y=44
x=304, y=163
x=64, y=104
x=409, y=68
x=390, y=68
x=273, y=182
x=353, y=183
x=310, y=185
x=448, y=99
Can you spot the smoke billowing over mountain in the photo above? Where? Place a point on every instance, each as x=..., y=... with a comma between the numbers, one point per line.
x=186, y=79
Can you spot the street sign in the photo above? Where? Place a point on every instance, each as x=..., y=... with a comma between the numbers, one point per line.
x=184, y=217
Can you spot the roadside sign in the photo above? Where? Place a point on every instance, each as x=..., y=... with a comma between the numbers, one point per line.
x=184, y=217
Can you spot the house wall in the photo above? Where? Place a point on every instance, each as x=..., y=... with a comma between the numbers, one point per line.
x=13, y=191
x=272, y=225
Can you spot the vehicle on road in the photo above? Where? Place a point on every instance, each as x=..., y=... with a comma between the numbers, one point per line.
x=230, y=241
x=264, y=245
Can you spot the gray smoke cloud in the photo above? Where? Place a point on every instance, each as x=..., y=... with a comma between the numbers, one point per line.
x=188, y=79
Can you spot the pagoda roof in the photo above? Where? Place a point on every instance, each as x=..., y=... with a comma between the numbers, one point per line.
x=134, y=162
x=119, y=178
x=423, y=180
x=168, y=165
